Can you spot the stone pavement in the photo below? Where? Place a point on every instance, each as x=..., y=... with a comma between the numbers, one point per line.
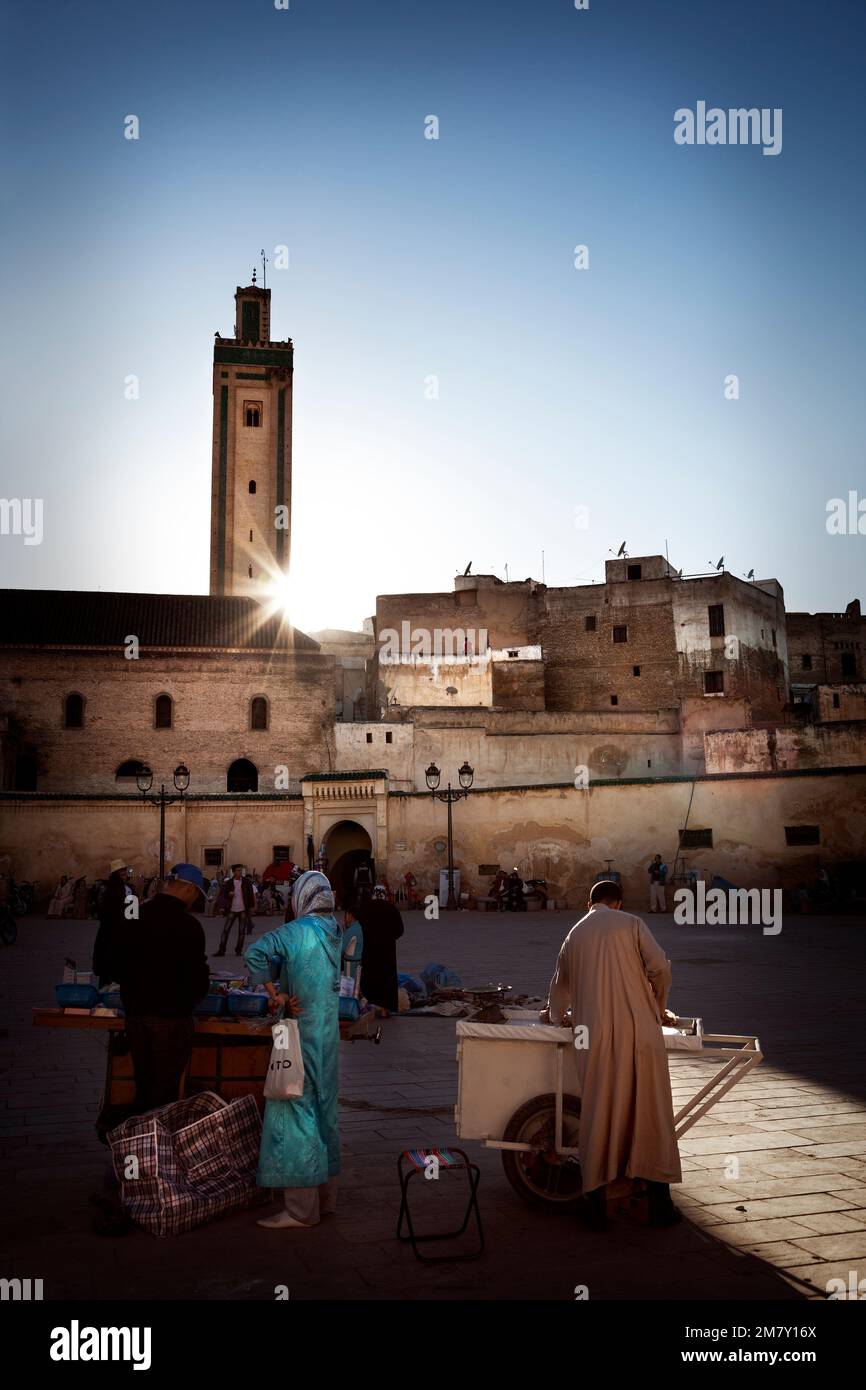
x=792, y=1217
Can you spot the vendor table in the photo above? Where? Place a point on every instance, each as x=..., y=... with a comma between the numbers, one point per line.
x=229, y=1055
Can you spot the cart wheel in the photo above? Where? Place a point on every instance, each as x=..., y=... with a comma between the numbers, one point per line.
x=544, y=1178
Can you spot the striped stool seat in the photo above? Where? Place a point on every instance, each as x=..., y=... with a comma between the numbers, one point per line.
x=432, y=1163
x=445, y=1158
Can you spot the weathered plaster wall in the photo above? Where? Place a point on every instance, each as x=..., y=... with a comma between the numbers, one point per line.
x=779, y=750
x=565, y=835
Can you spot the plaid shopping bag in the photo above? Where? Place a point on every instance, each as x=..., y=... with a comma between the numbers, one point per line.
x=187, y=1162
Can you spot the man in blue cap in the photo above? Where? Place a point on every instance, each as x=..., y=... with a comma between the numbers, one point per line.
x=163, y=972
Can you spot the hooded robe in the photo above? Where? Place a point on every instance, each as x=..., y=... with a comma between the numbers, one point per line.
x=614, y=977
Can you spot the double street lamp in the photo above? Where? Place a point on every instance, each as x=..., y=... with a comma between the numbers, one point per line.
x=144, y=782
x=465, y=776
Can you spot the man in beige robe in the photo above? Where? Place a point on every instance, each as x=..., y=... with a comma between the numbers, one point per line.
x=613, y=978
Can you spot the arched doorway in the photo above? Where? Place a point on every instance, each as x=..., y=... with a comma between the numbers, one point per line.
x=242, y=776
x=347, y=844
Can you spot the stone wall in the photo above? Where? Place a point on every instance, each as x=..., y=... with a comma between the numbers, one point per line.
x=211, y=691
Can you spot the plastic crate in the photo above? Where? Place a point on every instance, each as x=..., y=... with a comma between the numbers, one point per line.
x=211, y=1004
x=350, y=1010
x=76, y=996
x=110, y=999
x=255, y=1004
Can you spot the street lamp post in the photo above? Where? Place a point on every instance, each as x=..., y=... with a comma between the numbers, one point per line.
x=465, y=775
x=144, y=782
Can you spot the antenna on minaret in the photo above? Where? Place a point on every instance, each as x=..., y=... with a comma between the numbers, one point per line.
x=264, y=272
x=254, y=276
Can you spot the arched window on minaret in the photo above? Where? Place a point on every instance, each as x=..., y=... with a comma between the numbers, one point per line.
x=252, y=485
x=258, y=712
x=73, y=711
x=163, y=712
x=253, y=416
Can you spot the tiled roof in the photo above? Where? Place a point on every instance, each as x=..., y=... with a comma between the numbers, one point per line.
x=76, y=618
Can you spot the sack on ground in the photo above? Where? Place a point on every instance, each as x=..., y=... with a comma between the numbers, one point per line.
x=285, y=1078
x=187, y=1162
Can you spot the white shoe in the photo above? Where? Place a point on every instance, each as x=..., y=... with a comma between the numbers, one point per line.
x=282, y=1220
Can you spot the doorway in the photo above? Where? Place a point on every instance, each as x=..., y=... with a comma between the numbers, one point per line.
x=347, y=844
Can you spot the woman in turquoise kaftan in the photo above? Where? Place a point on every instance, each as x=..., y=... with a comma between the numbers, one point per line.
x=300, y=1149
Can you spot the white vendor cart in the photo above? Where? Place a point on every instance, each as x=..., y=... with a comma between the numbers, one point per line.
x=518, y=1091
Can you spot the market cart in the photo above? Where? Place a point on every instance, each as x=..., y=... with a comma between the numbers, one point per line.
x=230, y=1055
x=518, y=1092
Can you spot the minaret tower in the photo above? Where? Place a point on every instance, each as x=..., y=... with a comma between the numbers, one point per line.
x=251, y=488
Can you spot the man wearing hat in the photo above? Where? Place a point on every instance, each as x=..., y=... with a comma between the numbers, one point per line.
x=163, y=973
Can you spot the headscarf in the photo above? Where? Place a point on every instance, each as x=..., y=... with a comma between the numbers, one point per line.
x=312, y=893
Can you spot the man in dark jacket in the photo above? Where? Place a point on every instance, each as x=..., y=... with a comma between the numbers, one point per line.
x=237, y=900
x=163, y=974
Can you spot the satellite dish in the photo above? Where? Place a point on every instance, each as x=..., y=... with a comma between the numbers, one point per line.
x=719, y=563
x=751, y=574
x=621, y=550
x=467, y=569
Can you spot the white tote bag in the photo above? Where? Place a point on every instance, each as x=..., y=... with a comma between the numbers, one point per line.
x=285, y=1078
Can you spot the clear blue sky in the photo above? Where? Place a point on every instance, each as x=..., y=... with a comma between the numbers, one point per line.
x=410, y=257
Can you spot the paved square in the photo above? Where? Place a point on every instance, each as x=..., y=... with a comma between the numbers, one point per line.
x=774, y=1177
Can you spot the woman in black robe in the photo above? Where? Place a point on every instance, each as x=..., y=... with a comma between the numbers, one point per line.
x=382, y=926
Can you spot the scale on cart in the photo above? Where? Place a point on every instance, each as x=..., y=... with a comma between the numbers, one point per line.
x=518, y=1091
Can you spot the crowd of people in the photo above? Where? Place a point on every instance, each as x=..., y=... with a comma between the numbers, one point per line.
x=611, y=976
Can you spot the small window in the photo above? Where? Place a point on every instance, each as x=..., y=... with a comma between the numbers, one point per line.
x=620, y=634
x=773, y=635
x=802, y=835
x=512, y=651
x=849, y=665
x=696, y=839
x=251, y=535
x=369, y=738
x=258, y=712
x=649, y=762
x=250, y=571
x=835, y=701
x=73, y=712
x=281, y=854
x=252, y=487
x=253, y=414
x=163, y=711
x=805, y=662
x=614, y=699
x=716, y=615
x=389, y=738
x=590, y=622
x=635, y=670
x=213, y=857
x=714, y=682
x=633, y=571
